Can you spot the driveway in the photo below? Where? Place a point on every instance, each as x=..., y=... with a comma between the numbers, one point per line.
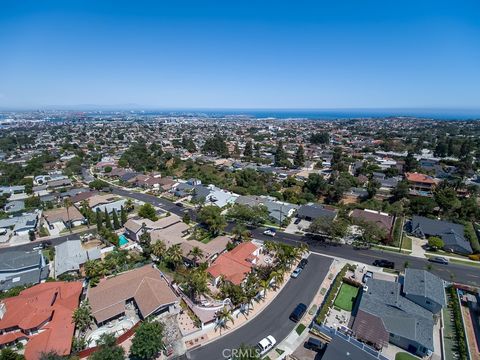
x=274, y=319
x=417, y=247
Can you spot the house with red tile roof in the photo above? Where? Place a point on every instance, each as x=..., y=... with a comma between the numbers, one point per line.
x=235, y=265
x=41, y=316
x=420, y=184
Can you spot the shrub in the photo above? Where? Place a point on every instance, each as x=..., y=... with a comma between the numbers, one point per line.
x=454, y=304
x=475, y=257
x=328, y=302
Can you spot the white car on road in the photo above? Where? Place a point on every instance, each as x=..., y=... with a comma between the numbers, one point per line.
x=267, y=344
x=270, y=232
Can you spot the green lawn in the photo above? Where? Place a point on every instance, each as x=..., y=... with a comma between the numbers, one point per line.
x=346, y=297
x=405, y=356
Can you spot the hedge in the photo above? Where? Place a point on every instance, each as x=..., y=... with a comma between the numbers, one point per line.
x=472, y=236
x=328, y=301
x=454, y=304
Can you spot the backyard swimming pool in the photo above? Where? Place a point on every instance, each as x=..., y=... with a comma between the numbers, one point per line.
x=122, y=240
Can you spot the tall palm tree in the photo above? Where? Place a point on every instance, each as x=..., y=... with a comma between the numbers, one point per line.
x=174, y=255
x=270, y=246
x=159, y=249
x=264, y=286
x=278, y=276
x=241, y=232
x=82, y=316
x=196, y=253
x=67, y=203
x=223, y=317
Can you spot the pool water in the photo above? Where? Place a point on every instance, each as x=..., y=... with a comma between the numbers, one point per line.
x=122, y=240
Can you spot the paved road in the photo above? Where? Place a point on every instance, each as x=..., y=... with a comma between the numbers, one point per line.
x=452, y=272
x=52, y=241
x=274, y=319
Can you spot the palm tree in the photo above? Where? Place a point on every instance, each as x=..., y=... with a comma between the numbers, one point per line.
x=223, y=317
x=278, y=276
x=82, y=316
x=196, y=253
x=67, y=203
x=128, y=204
x=196, y=283
x=158, y=249
x=270, y=246
x=264, y=286
x=241, y=232
x=174, y=255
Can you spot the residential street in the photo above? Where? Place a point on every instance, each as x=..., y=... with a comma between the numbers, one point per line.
x=274, y=319
x=452, y=272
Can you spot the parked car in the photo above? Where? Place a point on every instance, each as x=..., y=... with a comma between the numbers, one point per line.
x=303, y=263
x=366, y=276
x=266, y=344
x=298, y=312
x=297, y=221
x=384, y=263
x=270, y=232
x=314, y=344
x=296, y=272
x=179, y=204
x=439, y=260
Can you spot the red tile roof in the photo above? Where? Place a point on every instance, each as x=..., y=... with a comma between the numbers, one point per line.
x=47, y=307
x=234, y=265
x=420, y=178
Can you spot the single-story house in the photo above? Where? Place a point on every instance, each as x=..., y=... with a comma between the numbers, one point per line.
x=135, y=227
x=21, y=224
x=453, y=235
x=383, y=220
x=70, y=256
x=108, y=202
x=311, y=212
x=63, y=217
x=144, y=288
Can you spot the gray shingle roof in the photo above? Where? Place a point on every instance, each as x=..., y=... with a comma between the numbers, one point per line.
x=400, y=315
x=69, y=255
x=315, y=211
x=425, y=284
x=452, y=234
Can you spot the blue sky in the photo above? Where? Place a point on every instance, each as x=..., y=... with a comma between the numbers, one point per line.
x=240, y=54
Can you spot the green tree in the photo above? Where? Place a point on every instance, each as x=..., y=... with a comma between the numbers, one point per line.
x=335, y=229
x=148, y=341
x=223, y=317
x=411, y=164
x=372, y=188
x=436, y=242
x=253, y=215
x=248, y=151
x=281, y=157
x=51, y=355
x=216, y=145
x=108, y=349
x=196, y=283
x=174, y=255
x=9, y=354
x=186, y=218
x=108, y=222
x=315, y=184
x=147, y=211
x=211, y=216
x=145, y=242
x=116, y=222
x=299, y=159
x=320, y=138
x=99, y=220
x=196, y=253
x=98, y=184
x=400, y=191
x=123, y=215
x=158, y=249
x=82, y=316
x=446, y=198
